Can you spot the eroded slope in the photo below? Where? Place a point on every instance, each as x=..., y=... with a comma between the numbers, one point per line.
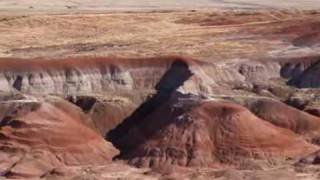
x=188, y=131
x=38, y=136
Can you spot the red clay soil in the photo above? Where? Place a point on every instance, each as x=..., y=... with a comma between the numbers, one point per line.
x=37, y=137
x=203, y=133
x=285, y=116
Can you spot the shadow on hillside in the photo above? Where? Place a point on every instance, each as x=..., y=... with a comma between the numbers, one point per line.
x=131, y=133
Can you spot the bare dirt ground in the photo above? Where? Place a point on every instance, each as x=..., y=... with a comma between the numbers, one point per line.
x=208, y=35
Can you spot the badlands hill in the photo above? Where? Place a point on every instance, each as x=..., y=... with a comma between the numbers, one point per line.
x=188, y=131
x=196, y=94
x=163, y=112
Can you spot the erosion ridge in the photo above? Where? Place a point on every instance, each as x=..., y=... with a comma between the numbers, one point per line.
x=77, y=75
x=97, y=75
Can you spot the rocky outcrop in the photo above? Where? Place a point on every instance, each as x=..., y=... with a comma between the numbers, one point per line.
x=310, y=78
x=301, y=72
x=187, y=130
x=39, y=135
x=98, y=75
x=259, y=72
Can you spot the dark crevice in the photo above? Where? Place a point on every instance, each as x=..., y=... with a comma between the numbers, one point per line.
x=175, y=77
x=17, y=84
x=297, y=74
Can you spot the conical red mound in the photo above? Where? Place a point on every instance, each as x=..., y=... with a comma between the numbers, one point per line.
x=36, y=137
x=187, y=131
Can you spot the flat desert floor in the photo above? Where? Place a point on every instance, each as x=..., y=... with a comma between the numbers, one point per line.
x=208, y=35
